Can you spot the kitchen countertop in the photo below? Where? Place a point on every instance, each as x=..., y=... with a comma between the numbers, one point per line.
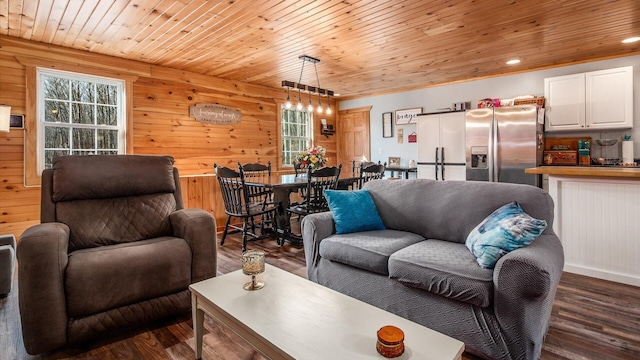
x=595, y=171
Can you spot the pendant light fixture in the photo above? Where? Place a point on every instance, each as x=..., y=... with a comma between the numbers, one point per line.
x=311, y=90
x=287, y=104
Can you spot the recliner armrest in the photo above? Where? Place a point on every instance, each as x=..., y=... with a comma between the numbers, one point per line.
x=42, y=259
x=198, y=228
x=9, y=240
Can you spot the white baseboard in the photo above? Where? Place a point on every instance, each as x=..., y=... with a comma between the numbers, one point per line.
x=602, y=274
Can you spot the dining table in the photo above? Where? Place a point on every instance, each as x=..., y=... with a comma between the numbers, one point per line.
x=285, y=184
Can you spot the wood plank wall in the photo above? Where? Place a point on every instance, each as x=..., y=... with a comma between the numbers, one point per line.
x=161, y=125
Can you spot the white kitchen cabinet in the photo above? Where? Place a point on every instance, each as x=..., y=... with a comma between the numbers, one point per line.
x=441, y=146
x=597, y=100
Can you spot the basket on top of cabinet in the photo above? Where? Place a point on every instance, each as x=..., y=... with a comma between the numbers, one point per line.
x=538, y=100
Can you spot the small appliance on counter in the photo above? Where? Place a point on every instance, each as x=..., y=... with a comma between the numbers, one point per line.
x=567, y=151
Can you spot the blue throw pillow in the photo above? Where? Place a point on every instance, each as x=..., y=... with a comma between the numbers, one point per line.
x=353, y=211
x=506, y=229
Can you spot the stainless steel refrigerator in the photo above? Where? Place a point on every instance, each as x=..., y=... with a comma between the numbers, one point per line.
x=502, y=142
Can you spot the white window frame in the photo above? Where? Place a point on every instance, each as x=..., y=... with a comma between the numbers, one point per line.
x=283, y=137
x=41, y=73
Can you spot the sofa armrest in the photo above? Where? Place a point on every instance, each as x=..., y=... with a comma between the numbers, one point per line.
x=42, y=260
x=315, y=227
x=525, y=283
x=539, y=265
x=198, y=228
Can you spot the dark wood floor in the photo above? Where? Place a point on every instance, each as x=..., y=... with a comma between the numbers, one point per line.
x=592, y=319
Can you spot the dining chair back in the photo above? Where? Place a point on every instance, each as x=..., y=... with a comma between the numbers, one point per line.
x=357, y=165
x=240, y=204
x=317, y=181
x=370, y=172
x=257, y=173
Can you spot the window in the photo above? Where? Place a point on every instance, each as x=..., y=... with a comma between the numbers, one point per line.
x=78, y=115
x=296, y=134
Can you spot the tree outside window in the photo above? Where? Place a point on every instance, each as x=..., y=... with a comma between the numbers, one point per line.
x=79, y=115
x=296, y=134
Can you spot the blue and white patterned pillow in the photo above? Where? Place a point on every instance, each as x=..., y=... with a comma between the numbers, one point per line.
x=505, y=230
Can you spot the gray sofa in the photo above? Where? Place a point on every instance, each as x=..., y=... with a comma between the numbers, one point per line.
x=115, y=249
x=420, y=269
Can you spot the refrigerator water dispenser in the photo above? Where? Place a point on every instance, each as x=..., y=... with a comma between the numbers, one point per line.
x=479, y=157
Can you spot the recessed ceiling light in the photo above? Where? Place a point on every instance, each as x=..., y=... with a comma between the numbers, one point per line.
x=631, y=40
x=513, y=61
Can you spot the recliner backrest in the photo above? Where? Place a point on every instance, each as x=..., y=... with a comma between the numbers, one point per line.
x=111, y=199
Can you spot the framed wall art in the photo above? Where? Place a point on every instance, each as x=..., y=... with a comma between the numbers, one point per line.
x=394, y=161
x=16, y=121
x=407, y=116
x=387, y=125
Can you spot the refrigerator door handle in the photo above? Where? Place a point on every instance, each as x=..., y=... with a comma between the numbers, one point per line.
x=436, y=163
x=442, y=162
x=490, y=154
x=494, y=157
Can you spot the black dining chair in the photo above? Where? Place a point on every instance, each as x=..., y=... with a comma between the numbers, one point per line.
x=370, y=172
x=238, y=203
x=297, y=167
x=356, y=166
x=317, y=181
x=260, y=174
x=255, y=176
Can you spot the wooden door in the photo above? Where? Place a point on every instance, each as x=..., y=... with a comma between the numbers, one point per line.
x=353, y=140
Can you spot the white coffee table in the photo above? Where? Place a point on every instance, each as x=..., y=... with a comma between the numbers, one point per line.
x=294, y=318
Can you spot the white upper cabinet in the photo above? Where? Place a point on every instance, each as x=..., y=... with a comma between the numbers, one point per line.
x=609, y=98
x=565, y=102
x=595, y=100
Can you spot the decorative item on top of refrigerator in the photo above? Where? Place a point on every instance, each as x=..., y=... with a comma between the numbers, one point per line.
x=503, y=141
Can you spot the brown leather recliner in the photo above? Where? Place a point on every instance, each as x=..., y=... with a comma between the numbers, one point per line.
x=114, y=249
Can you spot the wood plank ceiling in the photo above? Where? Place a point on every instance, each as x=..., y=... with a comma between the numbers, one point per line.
x=365, y=47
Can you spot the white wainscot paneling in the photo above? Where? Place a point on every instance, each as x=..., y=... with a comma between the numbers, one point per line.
x=598, y=222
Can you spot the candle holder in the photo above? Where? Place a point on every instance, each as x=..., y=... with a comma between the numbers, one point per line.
x=253, y=264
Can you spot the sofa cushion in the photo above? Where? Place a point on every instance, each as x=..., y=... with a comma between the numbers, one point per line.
x=444, y=268
x=368, y=250
x=107, y=277
x=506, y=229
x=353, y=211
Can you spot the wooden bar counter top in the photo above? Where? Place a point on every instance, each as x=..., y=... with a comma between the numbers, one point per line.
x=596, y=171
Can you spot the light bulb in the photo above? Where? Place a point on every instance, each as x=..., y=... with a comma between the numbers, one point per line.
x=319, y=108
x=329, y=109
x=299, y=106
x=288, y=103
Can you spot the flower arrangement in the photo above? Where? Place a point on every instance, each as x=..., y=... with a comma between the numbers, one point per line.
x=314, y=158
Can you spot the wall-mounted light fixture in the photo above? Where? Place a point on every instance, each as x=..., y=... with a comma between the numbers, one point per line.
x=311, y=90
x=5, y=118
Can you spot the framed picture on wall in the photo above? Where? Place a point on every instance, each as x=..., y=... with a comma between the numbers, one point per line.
x=387, y=125
x=16, y=121
x=407, y=116
x=394, y=161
